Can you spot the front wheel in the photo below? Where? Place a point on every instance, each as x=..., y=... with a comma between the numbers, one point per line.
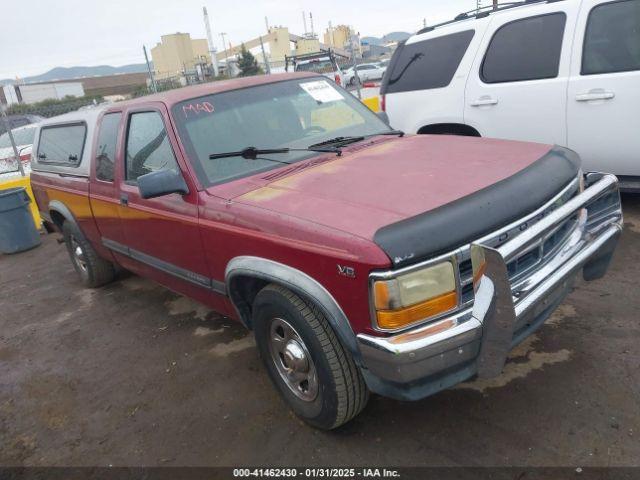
x=306, y=362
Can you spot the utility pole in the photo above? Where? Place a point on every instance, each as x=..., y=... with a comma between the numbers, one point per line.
x=495, y=4
x=212, y=47
x=264, y=56
x=226, y=57
x=12, y=140
x=355, y=64
x=154, y=87
x=330, y=34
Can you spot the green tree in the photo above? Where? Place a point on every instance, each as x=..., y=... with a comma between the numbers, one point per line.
x=247, y=63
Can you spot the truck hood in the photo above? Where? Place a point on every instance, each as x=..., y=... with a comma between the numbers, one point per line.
x=396, y=190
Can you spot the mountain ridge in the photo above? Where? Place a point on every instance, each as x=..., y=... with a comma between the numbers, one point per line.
x=72, y=73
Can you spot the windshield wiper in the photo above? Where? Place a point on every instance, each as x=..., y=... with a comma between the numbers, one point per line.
x=252, y=153
x=340, y=141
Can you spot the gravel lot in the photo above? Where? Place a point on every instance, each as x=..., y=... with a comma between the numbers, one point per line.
x=133, y=374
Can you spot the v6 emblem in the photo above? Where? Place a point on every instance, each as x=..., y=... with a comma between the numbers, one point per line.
x=345, y=271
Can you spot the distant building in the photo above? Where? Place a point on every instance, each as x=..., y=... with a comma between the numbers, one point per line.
x=178, y=54
x=105, y=86
x=278, y=43
x=338, y=36
x=38, y=92
x=307, y=45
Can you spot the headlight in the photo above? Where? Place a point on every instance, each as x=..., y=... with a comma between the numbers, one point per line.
x=414, y=297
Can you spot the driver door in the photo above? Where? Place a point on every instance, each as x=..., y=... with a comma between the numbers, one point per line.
x=162, y=233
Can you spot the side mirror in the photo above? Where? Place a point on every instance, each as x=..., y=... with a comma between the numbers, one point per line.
x=383, y=116
x=162, y=182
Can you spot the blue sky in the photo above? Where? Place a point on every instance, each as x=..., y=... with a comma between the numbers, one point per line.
x=37, y=35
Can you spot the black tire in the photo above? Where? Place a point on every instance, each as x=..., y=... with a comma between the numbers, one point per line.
x=341, y=390
x=93, y=270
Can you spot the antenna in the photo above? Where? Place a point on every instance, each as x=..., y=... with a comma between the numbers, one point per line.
x=311, y=22
x=212, y=47
x=304, y=22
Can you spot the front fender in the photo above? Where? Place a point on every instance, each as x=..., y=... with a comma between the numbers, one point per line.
x=299, y=283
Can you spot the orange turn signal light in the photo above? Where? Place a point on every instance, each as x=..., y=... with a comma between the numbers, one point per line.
x=394, y=319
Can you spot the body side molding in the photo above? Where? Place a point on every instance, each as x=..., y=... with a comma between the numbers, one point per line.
x=166, y=267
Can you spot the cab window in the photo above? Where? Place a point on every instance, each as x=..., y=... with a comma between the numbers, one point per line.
x=148, y=147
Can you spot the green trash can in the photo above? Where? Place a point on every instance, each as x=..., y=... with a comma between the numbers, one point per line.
x=17, y=230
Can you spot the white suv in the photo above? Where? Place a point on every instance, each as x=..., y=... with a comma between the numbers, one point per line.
x=563, y=72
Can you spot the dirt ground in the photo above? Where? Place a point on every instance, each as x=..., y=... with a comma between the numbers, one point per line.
x=133, y=374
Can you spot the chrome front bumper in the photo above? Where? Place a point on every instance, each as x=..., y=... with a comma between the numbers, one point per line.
x=422, y=361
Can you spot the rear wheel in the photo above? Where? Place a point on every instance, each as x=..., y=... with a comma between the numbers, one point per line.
x=306, y=362
x=93, y=270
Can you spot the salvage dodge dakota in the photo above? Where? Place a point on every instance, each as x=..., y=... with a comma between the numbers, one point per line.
x=364, y=260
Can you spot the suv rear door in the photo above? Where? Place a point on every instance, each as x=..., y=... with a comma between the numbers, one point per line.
x=603, y=113
x=518, y=84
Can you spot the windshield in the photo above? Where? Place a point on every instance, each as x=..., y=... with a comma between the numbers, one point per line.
x=23, y=136
x=291, y=114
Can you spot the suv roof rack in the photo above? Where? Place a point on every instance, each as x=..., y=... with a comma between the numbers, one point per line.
x=483, y=12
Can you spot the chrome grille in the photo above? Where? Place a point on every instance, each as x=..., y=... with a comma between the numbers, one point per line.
x=527, y=261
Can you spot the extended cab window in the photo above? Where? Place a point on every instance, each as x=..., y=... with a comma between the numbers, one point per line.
x=106, y=152
x=527, y=49
x=612, y=39
x=427, y=64
x=148, y=147
x=62, y=144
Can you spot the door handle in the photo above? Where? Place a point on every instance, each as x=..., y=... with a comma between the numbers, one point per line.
x=484, y=101
x=595, y=95
x=124, y=199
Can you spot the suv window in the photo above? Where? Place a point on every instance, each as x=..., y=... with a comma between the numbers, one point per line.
x=148, y=147
x=24, y=136
x=106, y=152
x=527, y=49
x=612, y=39
x=62, y=144
x=427, y=64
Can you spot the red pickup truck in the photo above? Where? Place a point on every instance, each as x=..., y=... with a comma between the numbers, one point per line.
x=363, y=259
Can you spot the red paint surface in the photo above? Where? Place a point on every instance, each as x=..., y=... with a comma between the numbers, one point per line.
x=393, y=180
x=312, y=220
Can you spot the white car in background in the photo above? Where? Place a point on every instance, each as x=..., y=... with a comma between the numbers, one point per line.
x=24, y=137
x=366, y=72
x=565, y=73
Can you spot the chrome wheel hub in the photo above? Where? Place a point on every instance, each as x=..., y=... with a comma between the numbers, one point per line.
x=292, y=360
x=78, y=255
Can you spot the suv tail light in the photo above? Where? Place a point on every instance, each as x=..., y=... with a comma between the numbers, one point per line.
x=383, y=103
x=336, y=77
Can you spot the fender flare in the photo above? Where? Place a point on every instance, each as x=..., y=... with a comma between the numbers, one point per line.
x=299, y=283
x=62, y=209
